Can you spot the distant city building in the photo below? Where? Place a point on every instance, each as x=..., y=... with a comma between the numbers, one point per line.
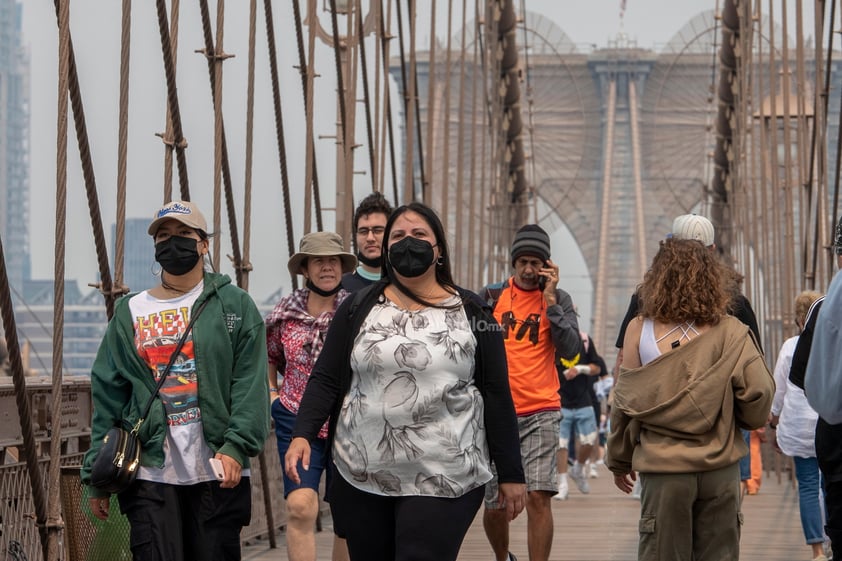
x=14, y=145
x=139, y=260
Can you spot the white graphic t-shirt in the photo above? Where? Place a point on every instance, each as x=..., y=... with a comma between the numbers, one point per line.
x=158, y=326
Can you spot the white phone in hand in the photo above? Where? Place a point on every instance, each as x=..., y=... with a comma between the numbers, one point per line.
x=216, y=466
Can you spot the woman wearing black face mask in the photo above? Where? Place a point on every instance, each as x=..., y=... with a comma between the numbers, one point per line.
x=178, y=507
x=295, y=332
x=413, y=378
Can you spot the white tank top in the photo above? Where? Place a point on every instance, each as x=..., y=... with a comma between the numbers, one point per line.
x=648, y=347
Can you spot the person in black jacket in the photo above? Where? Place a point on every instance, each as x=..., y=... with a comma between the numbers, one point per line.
x=413, y=378
x=828, y=436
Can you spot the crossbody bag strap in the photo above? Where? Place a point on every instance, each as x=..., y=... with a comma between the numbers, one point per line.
x=173, y=357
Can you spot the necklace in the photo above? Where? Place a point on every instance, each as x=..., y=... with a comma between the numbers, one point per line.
x=412, y=308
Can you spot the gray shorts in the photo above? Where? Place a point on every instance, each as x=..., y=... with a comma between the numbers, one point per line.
x=538, y=448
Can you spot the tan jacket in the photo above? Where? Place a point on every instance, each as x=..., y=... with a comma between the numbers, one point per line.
x=681, y=413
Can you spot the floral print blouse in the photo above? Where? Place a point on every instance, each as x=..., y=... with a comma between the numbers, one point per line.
x=412, y=423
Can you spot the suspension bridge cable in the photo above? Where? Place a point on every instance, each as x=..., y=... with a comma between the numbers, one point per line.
x=249, y=158
x=460, y=135
x=36, y=482
x=167, y=136
x=385, y=39
x=215, y=55
x=835, y=211
x=431, y=104
x=366, y=98
x=413, y=66
x=445, y=174
x=122, y=146
x=172, y=100
x=89, y=177
x=53, y=524
x=305, y=69
x=279, y=129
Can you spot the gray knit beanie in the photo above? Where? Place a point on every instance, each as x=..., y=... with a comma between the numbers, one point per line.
x=531, y=240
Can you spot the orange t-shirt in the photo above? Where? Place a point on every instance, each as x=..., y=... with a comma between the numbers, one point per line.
x=530, y=353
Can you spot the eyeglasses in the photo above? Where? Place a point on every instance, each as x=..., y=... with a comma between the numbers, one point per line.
x=377, y=231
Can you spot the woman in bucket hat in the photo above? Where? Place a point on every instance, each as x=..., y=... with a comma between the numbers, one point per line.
x=295, y=333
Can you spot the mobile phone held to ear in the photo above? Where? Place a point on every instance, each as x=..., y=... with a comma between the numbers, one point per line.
x=218, y=470
x=542, y=280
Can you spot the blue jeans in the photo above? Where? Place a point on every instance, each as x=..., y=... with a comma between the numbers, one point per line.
x=809, y=503
x=745, y=461
x=284, y=423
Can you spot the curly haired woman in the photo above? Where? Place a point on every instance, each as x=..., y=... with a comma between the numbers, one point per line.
x=691, y=377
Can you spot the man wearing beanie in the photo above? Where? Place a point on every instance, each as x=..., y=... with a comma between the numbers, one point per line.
x=814, y=360
x=539, y=323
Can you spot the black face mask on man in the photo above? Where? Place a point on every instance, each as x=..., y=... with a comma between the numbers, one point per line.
x=177, y=254
x=411, y=257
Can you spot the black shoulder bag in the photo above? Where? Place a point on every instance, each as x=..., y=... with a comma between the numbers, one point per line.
x=118, y=460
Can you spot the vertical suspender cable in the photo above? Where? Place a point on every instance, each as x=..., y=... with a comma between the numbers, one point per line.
x=817, y=138
x=385, y=37
x=218, y=131
x=342, y=191
x=279, y=129
x=366, y=99
x=167, y=136
x=216, y=56
x=409, y=156
x=122, y=145
x=305, y=67
x=413, y=66
x=247, y=182
x=460, y=142
x=445, y=183
x=432, y=80
x=90, y=179
x=53, y=524
x=172, y=100
x=261, y=457
x=836, y=179
x=474, y=232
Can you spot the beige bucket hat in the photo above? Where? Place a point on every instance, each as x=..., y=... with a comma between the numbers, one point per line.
x=321, y=244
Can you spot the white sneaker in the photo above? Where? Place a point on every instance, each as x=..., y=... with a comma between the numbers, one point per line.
x=578, y=476
x=594, y=473
x=563, y=490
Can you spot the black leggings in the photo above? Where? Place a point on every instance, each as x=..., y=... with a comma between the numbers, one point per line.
x=410, y=528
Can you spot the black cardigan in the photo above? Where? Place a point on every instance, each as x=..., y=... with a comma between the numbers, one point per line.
x=330, y=380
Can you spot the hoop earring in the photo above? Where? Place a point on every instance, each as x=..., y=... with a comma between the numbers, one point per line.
x=440, y=261
x=156, y=269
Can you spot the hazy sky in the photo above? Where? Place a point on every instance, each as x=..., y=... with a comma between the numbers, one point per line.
x=95, y=25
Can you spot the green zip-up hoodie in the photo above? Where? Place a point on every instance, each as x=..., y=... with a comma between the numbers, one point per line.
x=229, y=340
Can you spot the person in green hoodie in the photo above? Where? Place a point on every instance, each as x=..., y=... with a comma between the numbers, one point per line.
x=178, y=507
x=691, y=378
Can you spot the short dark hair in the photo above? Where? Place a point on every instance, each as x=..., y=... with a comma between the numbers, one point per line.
x=373, y=203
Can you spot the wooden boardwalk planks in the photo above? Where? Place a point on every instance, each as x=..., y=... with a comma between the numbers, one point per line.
x=602, y=526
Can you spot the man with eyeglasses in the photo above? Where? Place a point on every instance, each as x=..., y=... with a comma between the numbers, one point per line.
x=539, y=323
x=369, y=224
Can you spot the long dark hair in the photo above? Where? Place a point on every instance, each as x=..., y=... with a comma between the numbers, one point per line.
x=442, y=267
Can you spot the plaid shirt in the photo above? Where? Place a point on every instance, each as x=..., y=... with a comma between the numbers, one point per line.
x=294, y=340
